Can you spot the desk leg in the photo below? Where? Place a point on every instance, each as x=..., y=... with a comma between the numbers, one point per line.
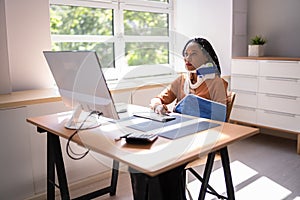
x=55, y=161
x=114, y=178
x=207, y=172
x=227, y=173
x=50, y=168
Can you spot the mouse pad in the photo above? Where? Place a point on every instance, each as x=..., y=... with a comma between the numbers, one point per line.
x=150, y=125
x=187, y=130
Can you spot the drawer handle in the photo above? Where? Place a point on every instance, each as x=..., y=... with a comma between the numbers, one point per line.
x=244, y=108
x=279, y=113
x=281, y=96
x=244, y=92
x=281, y=79
x=244, y=76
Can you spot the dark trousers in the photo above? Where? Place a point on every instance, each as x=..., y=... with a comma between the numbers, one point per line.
x=169, y=185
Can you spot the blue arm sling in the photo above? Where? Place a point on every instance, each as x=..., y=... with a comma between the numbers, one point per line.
x=200, y=107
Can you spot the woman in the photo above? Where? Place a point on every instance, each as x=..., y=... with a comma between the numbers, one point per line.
x=202, y=79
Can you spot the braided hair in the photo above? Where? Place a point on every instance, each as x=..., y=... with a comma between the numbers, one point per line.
x=204, y=44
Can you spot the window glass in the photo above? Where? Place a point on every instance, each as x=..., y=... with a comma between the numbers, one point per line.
x=137, y=23
x=145, y=23
x=76, y=20
x=105, y=51
x=141, y=53
x=142, y=39
x=84, y=21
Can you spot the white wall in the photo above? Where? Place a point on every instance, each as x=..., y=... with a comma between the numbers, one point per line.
x=211, y=19
x=28, y=34
x=280, y=25
x=5, y=86
x=239, y=28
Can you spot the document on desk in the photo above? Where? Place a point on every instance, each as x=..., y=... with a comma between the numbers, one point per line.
x=184, y=130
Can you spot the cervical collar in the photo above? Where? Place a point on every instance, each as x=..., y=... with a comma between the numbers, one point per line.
x=205, y=71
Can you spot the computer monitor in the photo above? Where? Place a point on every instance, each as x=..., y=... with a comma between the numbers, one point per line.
x=82, y=86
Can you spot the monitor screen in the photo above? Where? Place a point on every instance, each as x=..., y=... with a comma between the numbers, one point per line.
x=82, y=85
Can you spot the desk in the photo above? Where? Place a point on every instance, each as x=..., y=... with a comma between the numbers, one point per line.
x=154, y=159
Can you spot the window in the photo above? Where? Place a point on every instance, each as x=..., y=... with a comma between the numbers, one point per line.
x=80, y=28
x=146, y=24
x=125, y=34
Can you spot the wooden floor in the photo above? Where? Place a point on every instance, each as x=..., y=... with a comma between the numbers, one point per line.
x=263, y=167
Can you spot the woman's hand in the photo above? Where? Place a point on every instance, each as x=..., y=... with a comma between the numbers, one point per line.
x=161, y=109
x=158, y=106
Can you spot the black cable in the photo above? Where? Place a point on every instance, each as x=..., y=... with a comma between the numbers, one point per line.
x=68, y=147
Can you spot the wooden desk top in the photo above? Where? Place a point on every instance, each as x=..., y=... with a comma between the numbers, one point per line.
x=162, y=155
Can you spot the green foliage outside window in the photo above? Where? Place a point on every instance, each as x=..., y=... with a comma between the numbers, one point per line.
x=138, y=53
x=105, y=51
x=75, y=20
x=145, y=23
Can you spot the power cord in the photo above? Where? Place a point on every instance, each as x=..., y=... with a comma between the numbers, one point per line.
x=68, y=147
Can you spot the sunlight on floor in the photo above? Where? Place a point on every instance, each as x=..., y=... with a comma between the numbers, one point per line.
x=240, y=173
x=261, y=188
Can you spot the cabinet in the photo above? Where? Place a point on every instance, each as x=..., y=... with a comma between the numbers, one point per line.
x=23, y=153
x=15, y=155
x=244, y=81
x=268, y=93
x=142, y=96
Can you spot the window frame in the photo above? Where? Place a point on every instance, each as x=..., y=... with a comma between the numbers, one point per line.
x=121, y=70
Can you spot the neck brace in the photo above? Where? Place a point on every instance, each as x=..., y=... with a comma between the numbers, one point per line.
x=205, y=71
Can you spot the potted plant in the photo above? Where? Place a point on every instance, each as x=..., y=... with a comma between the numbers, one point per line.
x=256, y=47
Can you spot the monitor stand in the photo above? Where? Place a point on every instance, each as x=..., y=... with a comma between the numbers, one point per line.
x=81, y=120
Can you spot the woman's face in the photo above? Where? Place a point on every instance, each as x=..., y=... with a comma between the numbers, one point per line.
x=194, y=57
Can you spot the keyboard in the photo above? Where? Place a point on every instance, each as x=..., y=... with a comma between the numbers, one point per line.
x=154, y=116
x=140, y=138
